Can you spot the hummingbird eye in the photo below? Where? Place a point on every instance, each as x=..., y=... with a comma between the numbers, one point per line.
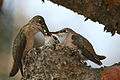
x=64, y=30
x=40, y=21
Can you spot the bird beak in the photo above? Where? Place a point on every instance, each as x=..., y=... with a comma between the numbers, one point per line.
x=41, y=30
x=47, y=31
x=55, y=32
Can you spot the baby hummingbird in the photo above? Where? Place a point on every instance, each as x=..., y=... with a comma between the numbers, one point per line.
x=70, y=38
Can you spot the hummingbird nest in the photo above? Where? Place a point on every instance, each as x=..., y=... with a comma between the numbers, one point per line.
x=63, y=63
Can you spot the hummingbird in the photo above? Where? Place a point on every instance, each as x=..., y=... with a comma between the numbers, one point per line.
x=24, y=41
x=41, y=40
x=70, y=38
x=51, y=40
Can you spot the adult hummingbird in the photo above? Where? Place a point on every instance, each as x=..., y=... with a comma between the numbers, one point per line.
x=70, y=38
x=25, y=40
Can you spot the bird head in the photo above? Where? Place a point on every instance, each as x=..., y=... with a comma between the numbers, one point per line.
x=63, y=33
x=39, y=24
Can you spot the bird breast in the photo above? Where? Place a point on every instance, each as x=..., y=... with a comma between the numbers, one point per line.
x=39, y=39
x=50, y=41
x=62, y=37
x=66, y=39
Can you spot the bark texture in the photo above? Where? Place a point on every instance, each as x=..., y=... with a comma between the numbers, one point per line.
x=111, y=73
x=48, y=63
x=106, y=12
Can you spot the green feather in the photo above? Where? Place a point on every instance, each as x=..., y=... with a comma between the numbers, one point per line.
x=20, y=36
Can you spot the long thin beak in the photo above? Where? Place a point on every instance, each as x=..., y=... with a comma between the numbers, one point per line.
x=55, y=32
x=47, y=31
x=42, y=31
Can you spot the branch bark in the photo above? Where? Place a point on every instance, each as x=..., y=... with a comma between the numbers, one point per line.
x=46, y=63
x=106, y=12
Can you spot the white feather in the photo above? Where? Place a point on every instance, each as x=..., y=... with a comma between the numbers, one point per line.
x=39, y=39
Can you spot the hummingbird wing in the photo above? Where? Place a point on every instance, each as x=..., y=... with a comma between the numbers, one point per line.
x=101, y=57
x=90, y=48
x=18, y=49
x=86, y=48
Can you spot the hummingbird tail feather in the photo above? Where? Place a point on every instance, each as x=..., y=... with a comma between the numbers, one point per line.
x=101, y=57
x=97, y=62
x=21, y=69
x=91, y=57
x=14, y=70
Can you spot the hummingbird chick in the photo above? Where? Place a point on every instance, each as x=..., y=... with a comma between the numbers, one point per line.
x=51, y=40
x=70, y=38
x=45, y=40
x=25, y=40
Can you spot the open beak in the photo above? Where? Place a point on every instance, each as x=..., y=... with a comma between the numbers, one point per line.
x=47, y=31
x=42, y=31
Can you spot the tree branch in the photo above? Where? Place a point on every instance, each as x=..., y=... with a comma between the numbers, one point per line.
x=106, y=12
